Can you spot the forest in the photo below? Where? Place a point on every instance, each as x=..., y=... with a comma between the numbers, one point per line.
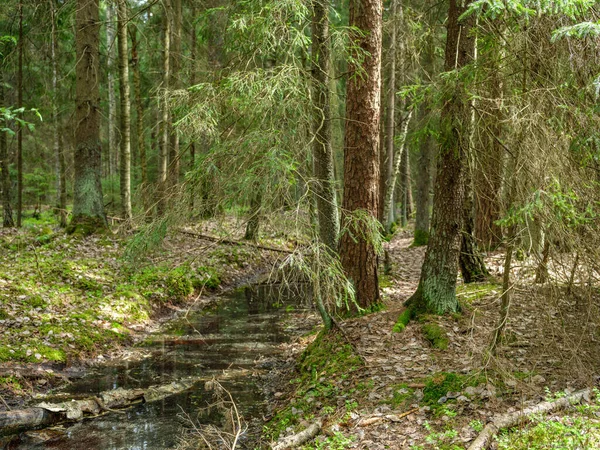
x=311, y=224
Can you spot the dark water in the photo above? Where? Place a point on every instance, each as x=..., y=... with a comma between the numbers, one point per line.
x=230, y=342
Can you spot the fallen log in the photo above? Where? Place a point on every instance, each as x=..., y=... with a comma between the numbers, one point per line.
x=298, y=439
x=47, y=413
x=515, y=418
x=233, y=242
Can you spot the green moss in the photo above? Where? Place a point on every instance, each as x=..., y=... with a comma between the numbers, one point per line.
x=35, y=301
x=385, y=281
x=435, y=335
x=437, y=385
x=421, y=238
x=206, y=277
x=468, y=293
x=403, y=396
x=83, y=226
x=403, y=320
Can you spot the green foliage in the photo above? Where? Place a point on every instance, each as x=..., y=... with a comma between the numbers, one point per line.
x=527, y=9
x=421, y=238
x=10, y=114
x=435, y=335
x=406, y=316
x=580, y=31
x=206, y=277
x=439, y=384
x=337, y=441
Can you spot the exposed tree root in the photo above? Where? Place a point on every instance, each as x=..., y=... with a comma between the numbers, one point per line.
x=513, y=419
x=300, y=438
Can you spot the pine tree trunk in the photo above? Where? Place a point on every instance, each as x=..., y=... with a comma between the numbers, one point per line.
x=329, y=226
x=404, y=189
x=437, y=286
x=361, y=151
x=7, y=218
x=137, y=86
x=423, y=185
x=20, y=127
x=125, y=117
x=174, y=157
x=61, y=200
x=164, y=131
x=472, y=266
x=112, y=100
x=193, y=69
x=88, y=206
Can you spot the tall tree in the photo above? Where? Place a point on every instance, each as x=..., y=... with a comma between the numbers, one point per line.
x=20, y=126
x=361, y=151
x=437, y=286
x=176, y=30
x=139, y=107
x=7, y=219
x=88, y=206
x=424, y=169
x=164, y=124
x=58, y=150
x=329, y=225
x=125, y=117
x=112, y=151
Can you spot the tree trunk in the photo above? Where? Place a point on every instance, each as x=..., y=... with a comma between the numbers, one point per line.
x=423, y=185
x=137, y=86
x=387, y=169
x=404, y=189
x=19, y=126
x=125, y=118
x=174, y=156
x=329, y=226
x=361, y=152
x=112, y=101
x=253, y=224
x=437, y=286
x=61, y=196
x=88, y=206
x=7, y=217
x=472, y=266
x=164, y=134
x=193, y=69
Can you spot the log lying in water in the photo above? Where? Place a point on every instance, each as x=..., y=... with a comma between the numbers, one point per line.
x=46, y=414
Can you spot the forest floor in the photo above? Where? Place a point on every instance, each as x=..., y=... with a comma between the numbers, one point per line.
x=68, y=302
x=389, y=390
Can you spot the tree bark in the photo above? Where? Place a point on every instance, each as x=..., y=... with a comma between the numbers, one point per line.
x=112, y=101
x=437, y=286
x=329, y=225
x=164, y=141
x=139, y=120
x=174, y=156
x=61, y=195
x=472, y=266
x=88, y=206
x=7, y=217
x=423, y=185
x=361, y=151
x=125, y=118
x=19, y=126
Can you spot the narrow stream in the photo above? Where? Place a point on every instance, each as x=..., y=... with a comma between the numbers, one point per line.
x=237, y=339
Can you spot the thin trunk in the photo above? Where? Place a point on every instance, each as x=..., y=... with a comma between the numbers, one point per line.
x=137, y=87
x=174, y=156
x=193, y=51
x=329, y=226
x=405, y=189
x=60, y=160
x=253, y=224
x=505, y=299
x=88, y=206
x=19, y=126
x=361, y=152
x=395, y=172
x=390, y=129
x=125, y=117
x=472, y=266
x=7, y=219
x=112, y=100
x=541, y=272
x=437, y=286
x=164, y=141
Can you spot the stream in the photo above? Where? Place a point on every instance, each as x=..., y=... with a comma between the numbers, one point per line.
x=234, y=341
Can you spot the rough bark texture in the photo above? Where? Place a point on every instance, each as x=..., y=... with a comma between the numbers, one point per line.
x=20, y=127
x=112, y=151
x=58, y=151
x=125, y=118
x=329, y=225
x=88, y=206
x=437, y=287
x=7, y=218
x=139, y=120
x=361, y=151
x=472, y=266
x=164, y=134
x=423, y=186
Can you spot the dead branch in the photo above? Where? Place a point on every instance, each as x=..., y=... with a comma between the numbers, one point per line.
x=234, y=242
x=299, y=438
x=513, y=419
